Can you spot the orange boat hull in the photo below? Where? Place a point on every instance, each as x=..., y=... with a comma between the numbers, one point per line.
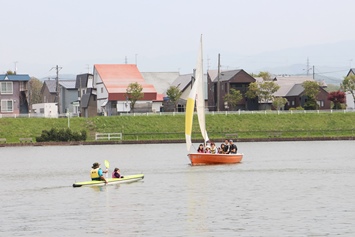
x=214, y=159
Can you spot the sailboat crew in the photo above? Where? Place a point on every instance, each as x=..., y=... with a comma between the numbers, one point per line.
x=226, y=146
x=232, y=147
x=97, y=173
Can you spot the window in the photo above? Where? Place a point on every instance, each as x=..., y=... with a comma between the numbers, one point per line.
x=7, y=105
x=320, y=103
x=6, y=87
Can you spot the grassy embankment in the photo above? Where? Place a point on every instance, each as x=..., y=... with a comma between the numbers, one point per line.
x=169, y=127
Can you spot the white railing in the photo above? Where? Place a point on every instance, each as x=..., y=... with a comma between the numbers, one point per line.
x=239, y=112
x=108, y=136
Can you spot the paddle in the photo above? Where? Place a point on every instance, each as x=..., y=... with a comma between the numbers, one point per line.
x=107, y=164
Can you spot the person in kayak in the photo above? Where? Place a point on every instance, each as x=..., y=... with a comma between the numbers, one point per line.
x=116, y=173
x=97, y=173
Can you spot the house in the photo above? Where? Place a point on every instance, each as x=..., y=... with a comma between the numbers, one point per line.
x=86, y=95
x=184, y=84
x=111, y=82
x=49, y=91
x=350, y=101
x=14, y=93
x=162, y=82
x=291, y=88
x=67, y=94
x=233, y=79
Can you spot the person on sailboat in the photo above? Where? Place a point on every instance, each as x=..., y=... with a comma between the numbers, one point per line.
x=233, y=147
x=226, y=146
x=97, y=173
x=200, y=149
x=208, y=149
x=214, y=149
x=222, y=148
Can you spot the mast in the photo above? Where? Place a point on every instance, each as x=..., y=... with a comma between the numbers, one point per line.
x=218, y=84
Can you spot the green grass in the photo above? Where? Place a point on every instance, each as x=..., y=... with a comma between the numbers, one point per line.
x=165, y=127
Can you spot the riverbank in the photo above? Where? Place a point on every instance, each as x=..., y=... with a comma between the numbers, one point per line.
x=170, y=128
x=83, y=143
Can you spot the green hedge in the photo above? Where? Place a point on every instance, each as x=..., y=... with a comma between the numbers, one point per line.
x=61, y=135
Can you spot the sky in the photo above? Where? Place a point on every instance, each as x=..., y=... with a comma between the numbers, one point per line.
x=164, y=35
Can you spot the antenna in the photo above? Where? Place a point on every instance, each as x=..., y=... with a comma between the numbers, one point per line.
x=15, y=67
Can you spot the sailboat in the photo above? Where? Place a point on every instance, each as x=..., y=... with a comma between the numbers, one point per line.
x=197, y=94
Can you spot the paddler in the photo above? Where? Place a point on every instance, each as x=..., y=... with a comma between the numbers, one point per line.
x=97, y=173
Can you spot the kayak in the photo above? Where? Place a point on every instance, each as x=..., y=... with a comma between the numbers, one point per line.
x=125, y=179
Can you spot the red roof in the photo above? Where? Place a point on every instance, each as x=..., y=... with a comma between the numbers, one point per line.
x=117, y=77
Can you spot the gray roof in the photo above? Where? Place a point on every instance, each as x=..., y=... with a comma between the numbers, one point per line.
x=51, y=85
x=296, y=90
x=17, y=77
x=224, y=75
x=287, y=83
x=85, y=100
x=182, y=81
x=82, y=80
x=161, y=80
x=68, y=84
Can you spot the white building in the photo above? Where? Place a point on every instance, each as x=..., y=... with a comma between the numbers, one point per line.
x=47, y=110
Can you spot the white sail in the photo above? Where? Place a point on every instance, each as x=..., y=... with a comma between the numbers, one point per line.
x=200, y=98
x=197, y=94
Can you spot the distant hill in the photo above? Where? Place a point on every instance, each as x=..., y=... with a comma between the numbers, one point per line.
x=61, y=77
x=331, y=61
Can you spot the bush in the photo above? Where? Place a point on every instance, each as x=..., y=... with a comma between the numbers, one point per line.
x=297, y=108
x=61, y=135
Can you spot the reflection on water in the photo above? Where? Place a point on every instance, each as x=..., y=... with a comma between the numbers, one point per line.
x=280, y=189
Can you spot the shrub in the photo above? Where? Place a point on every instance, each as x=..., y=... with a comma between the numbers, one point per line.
x=61, y=135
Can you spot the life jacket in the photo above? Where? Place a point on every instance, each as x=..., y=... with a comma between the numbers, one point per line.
x=95, y=174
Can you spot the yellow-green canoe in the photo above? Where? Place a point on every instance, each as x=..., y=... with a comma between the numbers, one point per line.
x=125, y=179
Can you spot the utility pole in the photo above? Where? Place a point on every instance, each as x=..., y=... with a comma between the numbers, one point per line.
x=57, y=99
x=313, y=72
x=218, y=84
x=308, y=66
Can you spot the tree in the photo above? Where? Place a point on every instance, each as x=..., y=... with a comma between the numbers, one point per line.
x=279, y=102
x=311, y=90
x=265, y=75
x=134, y=93
x=263, y=90
x=174, y=95
x=348, y=85
x=338, y=98
x=35, y=87
x=9, y=72
x=233, y=97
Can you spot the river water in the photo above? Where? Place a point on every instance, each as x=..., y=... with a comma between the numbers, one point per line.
x=280, y=189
